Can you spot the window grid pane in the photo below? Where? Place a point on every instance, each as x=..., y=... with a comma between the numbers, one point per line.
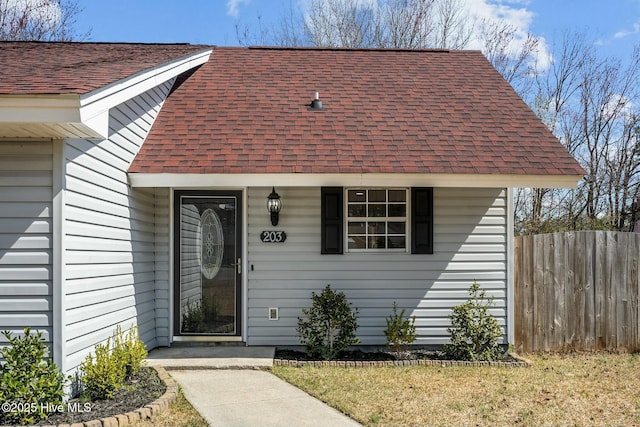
x=379, y=219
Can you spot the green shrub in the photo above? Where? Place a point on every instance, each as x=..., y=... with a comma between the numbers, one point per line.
x=28, y=381
x=400, y=332
x=330, y=325
x=102, y=375
x=474, y=331
x=105, y=373
x=130, y=350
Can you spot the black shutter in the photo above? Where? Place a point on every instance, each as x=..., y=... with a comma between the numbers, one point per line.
x=422, y=220
x=332, y=212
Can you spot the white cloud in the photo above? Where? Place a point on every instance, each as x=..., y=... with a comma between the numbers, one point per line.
x=232, y=7
x=626, y=33
x=511, y=12
x=515, y=14
x=618, y=105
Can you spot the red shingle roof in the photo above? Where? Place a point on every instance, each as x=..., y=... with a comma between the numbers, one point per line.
x=385, y=111
x=33, y=68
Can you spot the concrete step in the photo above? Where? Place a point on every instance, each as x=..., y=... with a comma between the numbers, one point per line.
x=211, y=356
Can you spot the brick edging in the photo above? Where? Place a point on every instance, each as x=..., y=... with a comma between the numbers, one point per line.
x=147, y=411
x=521, y=363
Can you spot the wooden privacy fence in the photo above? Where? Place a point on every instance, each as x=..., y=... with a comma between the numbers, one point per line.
x=577, y=291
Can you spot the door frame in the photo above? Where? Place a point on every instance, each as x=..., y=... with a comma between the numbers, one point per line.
x=176, y=198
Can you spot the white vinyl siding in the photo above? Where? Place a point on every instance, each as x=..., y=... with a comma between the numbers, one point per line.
x=26, y=227
x=470, y=231
x=163, y=258
x=113, y=233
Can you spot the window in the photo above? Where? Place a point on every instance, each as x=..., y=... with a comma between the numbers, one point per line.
x=365, y=233
x=376, y=219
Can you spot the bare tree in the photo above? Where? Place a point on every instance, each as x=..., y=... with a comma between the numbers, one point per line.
x=248, y=36
x=514, y=60
x=553, y=99
x=453, y=25
x=592, y=104
x=607, y=117
x=406, y=24
x=558, y=85
x=623, y=171
x=340, y=23
x=44, y=20
x=291, y=31
x=621, y=144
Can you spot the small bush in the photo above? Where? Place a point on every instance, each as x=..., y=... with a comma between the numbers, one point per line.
x=105, y=373
x=474, y=331
x=400, y=332
x=28, y=381
x=330, y=325
x=130, y=350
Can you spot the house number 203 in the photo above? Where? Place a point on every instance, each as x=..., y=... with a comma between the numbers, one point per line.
x=273, y=236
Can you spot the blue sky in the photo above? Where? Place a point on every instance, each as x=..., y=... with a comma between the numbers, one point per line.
x=614, y=24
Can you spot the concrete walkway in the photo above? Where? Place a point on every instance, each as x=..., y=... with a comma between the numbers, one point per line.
x=252, y=398
x=229, y=387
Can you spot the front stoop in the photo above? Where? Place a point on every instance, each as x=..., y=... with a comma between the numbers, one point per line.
x=182, y=357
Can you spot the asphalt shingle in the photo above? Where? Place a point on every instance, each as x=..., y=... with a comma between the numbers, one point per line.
x=385, y=111
x=36, y=68
x=247, y=109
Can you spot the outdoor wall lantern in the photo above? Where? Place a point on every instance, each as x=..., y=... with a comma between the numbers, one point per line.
x=274, y=204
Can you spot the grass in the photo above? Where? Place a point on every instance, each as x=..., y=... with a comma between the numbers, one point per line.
x=179, y=414
x=576, y=390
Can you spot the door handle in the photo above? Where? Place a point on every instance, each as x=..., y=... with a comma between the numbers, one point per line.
x=239, y=264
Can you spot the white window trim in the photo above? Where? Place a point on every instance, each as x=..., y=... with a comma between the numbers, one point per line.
x=407, y=219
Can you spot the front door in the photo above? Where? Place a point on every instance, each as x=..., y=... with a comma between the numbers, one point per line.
x=208, y=263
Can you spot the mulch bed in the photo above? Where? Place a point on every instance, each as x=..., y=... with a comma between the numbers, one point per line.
x=143, y=389
x=358, y=358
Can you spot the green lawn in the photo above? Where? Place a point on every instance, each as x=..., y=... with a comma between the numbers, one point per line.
x=575, y=390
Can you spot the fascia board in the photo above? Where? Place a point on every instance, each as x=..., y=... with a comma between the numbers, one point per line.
x=47, y=108
x=178, y=180
x=95, y=105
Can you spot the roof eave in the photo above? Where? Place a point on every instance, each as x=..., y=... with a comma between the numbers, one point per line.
x=43, y=116
x=194, y=180
x=83, y=115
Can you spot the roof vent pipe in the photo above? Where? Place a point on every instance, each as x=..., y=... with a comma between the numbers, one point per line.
x=316, y=104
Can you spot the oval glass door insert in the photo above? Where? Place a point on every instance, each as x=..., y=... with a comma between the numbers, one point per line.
x=212, y=244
